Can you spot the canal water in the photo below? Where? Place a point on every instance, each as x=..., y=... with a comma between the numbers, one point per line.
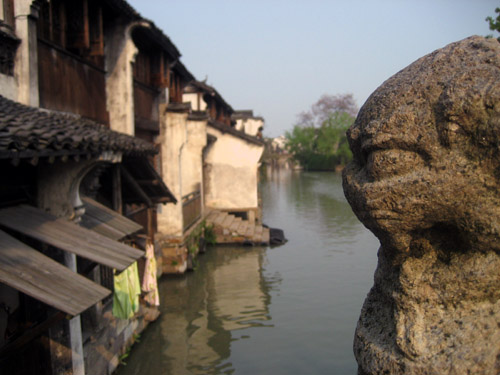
x=284, y=310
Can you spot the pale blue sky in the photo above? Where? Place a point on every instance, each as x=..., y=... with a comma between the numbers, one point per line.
x=278, y=57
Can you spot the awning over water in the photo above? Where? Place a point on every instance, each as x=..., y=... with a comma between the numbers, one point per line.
x=68, y=236
x=107, y=222
x=29, y=271
x=142, y=184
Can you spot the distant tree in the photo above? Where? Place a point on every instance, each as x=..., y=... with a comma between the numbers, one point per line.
x=301, y=143
x=325, y=107
x=318, y=141
x=494, y=22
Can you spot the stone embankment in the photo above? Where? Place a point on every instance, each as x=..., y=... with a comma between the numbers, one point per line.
x=230, y=229
x=425, y=180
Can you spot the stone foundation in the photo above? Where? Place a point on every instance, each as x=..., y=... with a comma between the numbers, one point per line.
x=113, y=338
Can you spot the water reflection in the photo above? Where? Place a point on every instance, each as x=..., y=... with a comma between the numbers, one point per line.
x=285, y=310
x=315, y=197
x=202, y=313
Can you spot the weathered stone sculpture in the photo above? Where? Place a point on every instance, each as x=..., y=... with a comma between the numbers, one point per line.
x=426, y=180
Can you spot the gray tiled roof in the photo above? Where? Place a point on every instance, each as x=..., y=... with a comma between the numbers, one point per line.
x=237, y=133
x=34, y=132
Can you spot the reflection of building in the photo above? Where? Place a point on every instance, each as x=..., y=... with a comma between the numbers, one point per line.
x=228, y=292
x=240, y=301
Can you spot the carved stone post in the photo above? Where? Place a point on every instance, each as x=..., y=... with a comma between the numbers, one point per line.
x=426, y=180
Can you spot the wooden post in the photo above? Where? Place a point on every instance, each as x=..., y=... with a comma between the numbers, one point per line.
x=151, y=228
x=117, y=190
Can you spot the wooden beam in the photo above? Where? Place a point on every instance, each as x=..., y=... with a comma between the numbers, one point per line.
x=148, y=182
x=86, y=31
x=151, y=229
x=135, y=186
x=31, y=334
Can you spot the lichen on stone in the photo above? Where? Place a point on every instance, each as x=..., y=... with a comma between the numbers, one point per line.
x=425, y=179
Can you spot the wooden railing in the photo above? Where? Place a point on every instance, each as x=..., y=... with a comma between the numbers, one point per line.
x=191, y=208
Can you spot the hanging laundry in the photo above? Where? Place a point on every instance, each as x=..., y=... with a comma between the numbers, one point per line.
x=126, y=294
x=150, y=282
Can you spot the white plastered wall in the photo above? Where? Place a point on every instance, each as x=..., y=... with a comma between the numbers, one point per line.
x=191, y=162
x=249, y=125
x=25, y=83
x=8, y=84
x=173, y=135
x=120, y=53
x=197, y=102
x=182, y=142
x=8, y=87
x=231, y=172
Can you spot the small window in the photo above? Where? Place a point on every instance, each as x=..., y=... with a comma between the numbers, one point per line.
x=8, y=47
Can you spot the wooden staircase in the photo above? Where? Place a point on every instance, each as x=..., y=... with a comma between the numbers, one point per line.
x=230, y=229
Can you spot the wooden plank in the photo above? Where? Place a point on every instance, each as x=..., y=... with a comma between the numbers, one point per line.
x=40, y=277
x=98, y=226
x=109, y=217
x=68, y=236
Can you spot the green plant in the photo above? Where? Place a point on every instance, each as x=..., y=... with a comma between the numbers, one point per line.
x=123, y=357
x=210, y=236
x=195, y=264
x=494, y=22
x=318, y=141
x=192, y=248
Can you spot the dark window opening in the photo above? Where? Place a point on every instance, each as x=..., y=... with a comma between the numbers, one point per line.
x=75, y=26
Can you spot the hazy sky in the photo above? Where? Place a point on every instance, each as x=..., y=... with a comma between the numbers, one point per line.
x=278, y=57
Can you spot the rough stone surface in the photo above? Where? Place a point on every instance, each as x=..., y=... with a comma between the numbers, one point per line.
x=426, y=180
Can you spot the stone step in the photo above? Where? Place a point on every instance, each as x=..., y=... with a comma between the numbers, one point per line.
x=235, y=225
x=242, y=229
x=212, y=216
x=228, y=220
x=231, y=229
x=257, y=239
x=266, y=236
x=250, y=230
x=220, y=218
x=258, y=235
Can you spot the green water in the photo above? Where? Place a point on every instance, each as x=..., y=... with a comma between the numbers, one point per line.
x=285, y=310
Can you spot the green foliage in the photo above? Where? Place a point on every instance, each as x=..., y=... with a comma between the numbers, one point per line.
x=494, y=22
x=210, y=236
x=324, y=147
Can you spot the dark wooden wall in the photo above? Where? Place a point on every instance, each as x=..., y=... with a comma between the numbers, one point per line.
x=69, y=84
